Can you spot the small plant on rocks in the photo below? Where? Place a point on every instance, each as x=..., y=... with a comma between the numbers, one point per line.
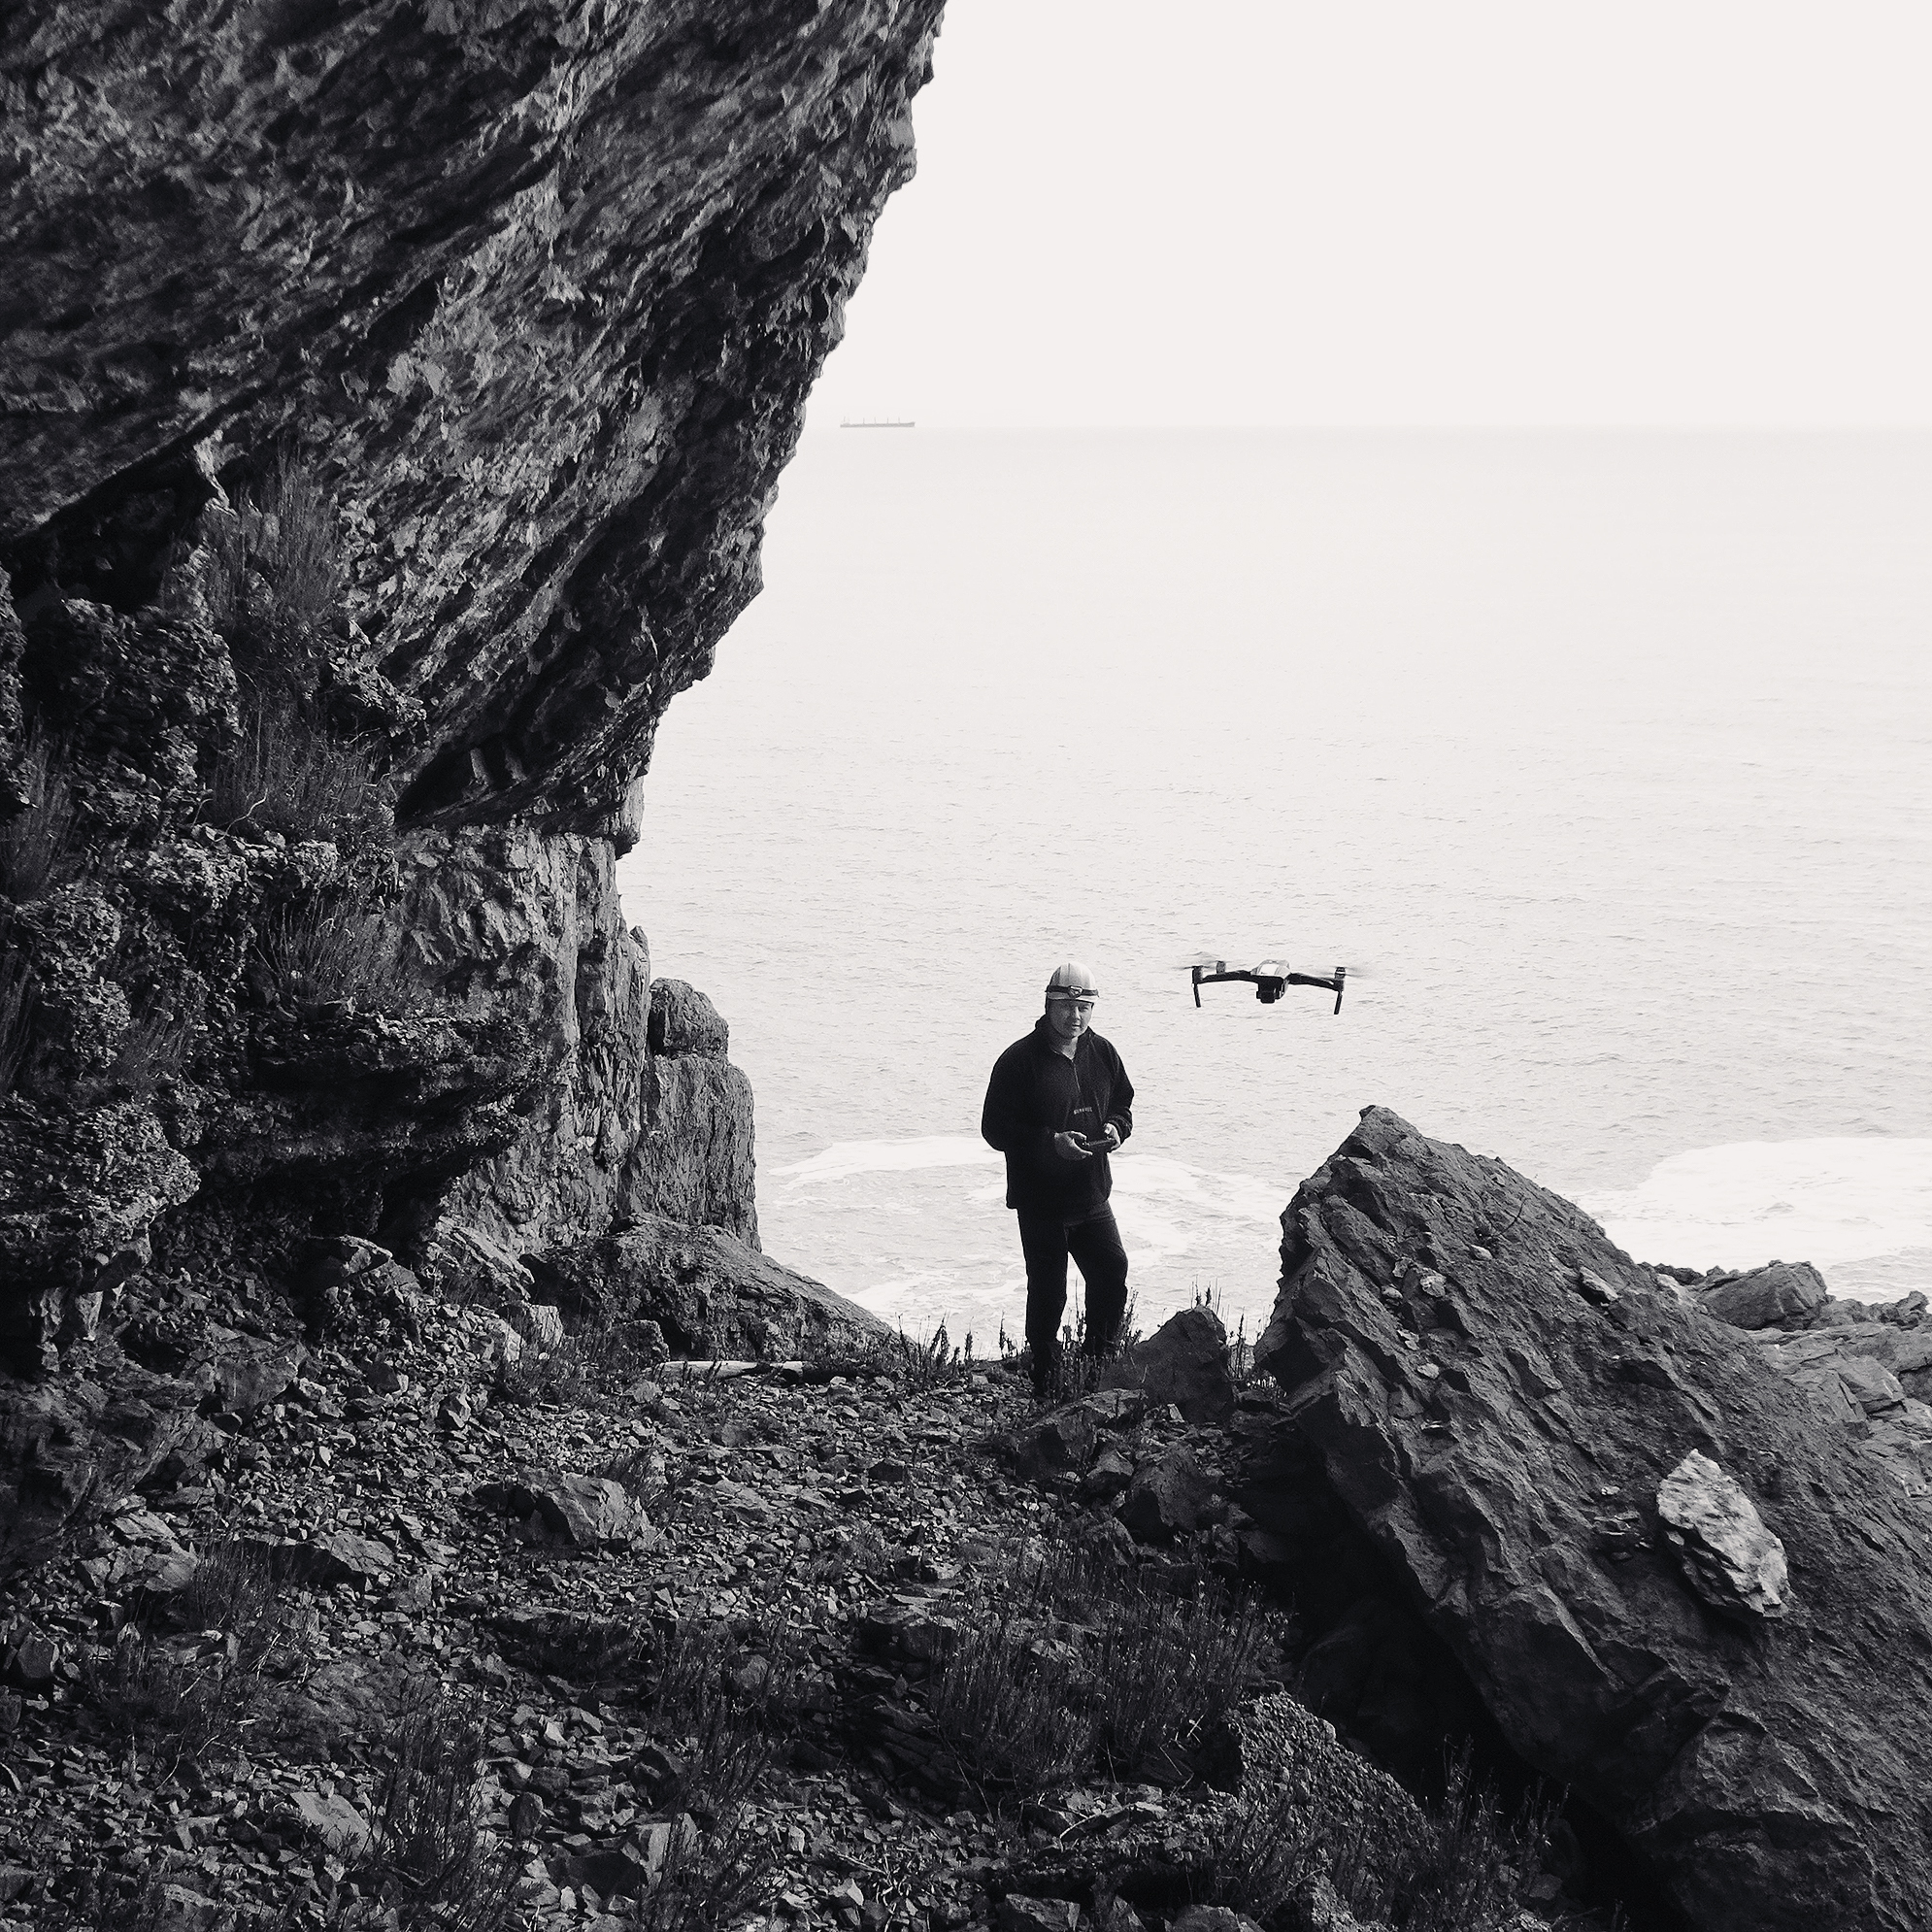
x=1084, y=1665
x=431, y=1861
x=1459, y=1866
x=177, y=1698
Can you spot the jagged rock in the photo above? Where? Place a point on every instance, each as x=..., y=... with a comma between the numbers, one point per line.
x=539, y=1324
x=1733, y=1563
x=581, y=1511
x=1116, y=1408
x=683, y=1022
x=1489, y=1449
x=333, y=1823
x=1212, y=1918
x=1769, y=1297
x=340, y=1556
x=1060, y=1443
x=463, y=1264
x=243, y=1374
x=529, y=922
x=1171, y=1496
x=538, y=319
x=31, y=1659
x=1870, y=1384
x=77, y=1197
x=1111, y=1470
x=1020, y=1914
x=708, y=1292
x=1185, y=1361
x=348, y=1286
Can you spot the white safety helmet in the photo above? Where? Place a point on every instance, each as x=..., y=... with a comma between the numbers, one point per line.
x=1070, y=979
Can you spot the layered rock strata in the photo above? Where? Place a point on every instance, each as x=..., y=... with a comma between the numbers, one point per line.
x=538, y=291
x=390, y=405
x=1494, y=1395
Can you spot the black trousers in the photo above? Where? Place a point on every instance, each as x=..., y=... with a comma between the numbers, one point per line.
x=1094, y=1243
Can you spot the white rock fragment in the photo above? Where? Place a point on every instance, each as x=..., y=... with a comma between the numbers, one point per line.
x=1732, y=1560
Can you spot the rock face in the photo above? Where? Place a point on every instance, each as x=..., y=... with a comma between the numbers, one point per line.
x=635, y=1119
x=710, y=1293
x=1494, y=1395
x=392, y=400
x=1185, y=1361
x=1733, y=1563
x=1770, y=1297
x=542, y=290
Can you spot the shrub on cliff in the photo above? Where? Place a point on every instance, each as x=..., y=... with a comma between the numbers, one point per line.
x=1084, y=1665
x=1331, y=1827
x=431, y=1861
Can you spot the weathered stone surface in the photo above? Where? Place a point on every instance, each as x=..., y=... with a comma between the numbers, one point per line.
x=526, y=922
x=340, y=1556
x=1493, y=1448
x=1020, y=1914
x=1170, y=1496
x=1770, y=1297
x=510, y=320
x=1059, y=1444
x=242, y=1374
x=708, y=1292
x=1185, y=1361
x=1733, y=1563
x=1212, y=1918
x=546, y=290
x=583, y=1512
x=1111, y=1470
x=683, y=1022
x=539, y=1324
x=333, y=1823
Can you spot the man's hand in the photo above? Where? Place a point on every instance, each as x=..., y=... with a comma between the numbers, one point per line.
x=1109, y=1134
x=1068, y=1147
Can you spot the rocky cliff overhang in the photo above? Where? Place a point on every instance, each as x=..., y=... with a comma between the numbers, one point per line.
x=535, y=290
x=1511, y=1410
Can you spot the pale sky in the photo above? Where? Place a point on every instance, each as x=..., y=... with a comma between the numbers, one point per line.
x=1386, y=212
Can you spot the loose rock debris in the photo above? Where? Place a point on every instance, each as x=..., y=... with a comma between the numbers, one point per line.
x=599, y=1584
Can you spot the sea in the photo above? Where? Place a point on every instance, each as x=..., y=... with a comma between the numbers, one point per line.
x=1599, y=759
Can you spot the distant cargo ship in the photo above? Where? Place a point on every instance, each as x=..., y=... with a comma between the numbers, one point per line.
x=875, y=422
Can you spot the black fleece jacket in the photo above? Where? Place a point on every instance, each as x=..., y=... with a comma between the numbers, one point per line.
x=1036, y=1093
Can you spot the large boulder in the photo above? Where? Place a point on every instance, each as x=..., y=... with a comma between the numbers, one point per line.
x=583, y=1513
x=711, y=1293
x=1784, y=1294
x=1494, y=1395
x=1185, y=1361
x=1171, y=1495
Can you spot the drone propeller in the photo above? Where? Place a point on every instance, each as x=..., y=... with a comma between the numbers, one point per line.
x=1248, y=962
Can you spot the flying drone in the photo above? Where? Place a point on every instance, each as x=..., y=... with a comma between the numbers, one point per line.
x=1270, y=977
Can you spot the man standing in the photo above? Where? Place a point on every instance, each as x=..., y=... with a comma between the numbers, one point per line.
x=1059, y=1100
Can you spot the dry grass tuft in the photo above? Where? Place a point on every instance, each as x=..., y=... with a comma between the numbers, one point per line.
x=288, y=772
x=180, y=1698
x=1460, y=1866
x=591, y=1368
x=431, y=1861
x=728, y=1705
x=723, y=1878
x=1086, y=1666
x=345, y=949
